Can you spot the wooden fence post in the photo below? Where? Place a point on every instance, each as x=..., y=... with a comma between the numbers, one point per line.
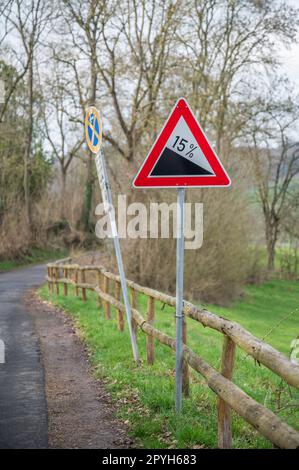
x=224, y=410
x=57, y=280
x=185, y=368
x=150, y=342
x=99, y=300
x=134, y=305
x=120, y=316
x=49, y=275
x=106, y=304
x=65, y=286
x=76, y=282
x=83, y=280
x=52, y=281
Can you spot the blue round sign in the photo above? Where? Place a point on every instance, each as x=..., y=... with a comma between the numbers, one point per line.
x=93, y=129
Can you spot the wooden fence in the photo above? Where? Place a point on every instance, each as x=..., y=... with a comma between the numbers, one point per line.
x=229, y=395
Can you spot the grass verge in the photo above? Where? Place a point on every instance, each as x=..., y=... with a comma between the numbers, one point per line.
x=146, y=394
x=34, y=256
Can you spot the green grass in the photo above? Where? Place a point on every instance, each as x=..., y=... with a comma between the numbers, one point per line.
x=146, y=394
x=35, y=255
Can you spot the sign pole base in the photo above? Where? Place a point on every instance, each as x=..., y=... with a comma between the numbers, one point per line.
x=179, y=297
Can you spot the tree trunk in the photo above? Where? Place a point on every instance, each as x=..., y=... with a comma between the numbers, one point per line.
x=63, y=194
x=27, y=154
x=271, y=239
x=271, y=257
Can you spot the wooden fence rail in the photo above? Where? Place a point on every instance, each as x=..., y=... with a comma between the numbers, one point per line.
x=230, y=396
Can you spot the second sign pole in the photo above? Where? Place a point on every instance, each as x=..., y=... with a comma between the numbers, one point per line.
x=107, y=198
x=179, y=296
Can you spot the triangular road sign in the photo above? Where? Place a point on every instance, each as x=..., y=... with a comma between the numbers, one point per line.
x=181, y=155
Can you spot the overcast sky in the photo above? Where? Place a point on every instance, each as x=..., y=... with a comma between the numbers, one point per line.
x=290, y=57
x=290, y=62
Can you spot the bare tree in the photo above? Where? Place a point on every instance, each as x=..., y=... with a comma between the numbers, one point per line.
x=27, y=20
x=137, y=61
x=82, y=26
x=226, y=46
x=64, y=136
x=275, y=169
x=128, y=45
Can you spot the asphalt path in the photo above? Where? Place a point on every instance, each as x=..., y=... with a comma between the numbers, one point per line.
x=23, y=408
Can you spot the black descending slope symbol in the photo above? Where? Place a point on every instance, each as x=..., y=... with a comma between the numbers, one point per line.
x=172, y=164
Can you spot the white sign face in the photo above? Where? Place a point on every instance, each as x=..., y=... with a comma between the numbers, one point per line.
x=183, y=143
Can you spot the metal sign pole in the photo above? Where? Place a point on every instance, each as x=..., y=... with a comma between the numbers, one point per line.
x=107, y=200
x=179, y=296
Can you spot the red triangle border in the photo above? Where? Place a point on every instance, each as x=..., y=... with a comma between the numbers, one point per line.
x=220, y=177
